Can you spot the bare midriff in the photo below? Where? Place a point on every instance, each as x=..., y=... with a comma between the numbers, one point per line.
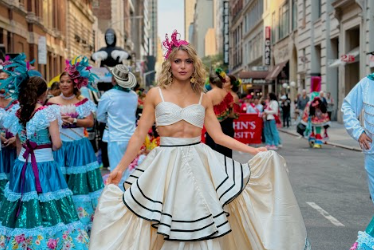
x=181, y=129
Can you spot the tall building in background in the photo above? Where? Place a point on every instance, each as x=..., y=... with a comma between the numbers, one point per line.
x=189, y=11
x=203, y=21
x=152, y=12
x=111, y=14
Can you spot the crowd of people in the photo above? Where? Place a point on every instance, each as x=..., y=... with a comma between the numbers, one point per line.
x=165, y=189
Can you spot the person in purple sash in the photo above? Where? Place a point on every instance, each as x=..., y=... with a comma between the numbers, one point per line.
x=37, y=211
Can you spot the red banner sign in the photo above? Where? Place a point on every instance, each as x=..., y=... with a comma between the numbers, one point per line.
x=248, y=129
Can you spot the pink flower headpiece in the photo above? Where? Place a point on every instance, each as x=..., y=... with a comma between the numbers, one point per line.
x=174, y=42
x=6, y=62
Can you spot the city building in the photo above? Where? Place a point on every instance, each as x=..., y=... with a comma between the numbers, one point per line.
x=203, y=21
x=189, y=11
x=236, y=37
x=255, y=65
x=334, y=40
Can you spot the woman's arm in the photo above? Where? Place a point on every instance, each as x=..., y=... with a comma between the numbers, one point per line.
x=86, y=122
x=273, y=108
x=54, y=131
x=137, y=139
x=214, y=130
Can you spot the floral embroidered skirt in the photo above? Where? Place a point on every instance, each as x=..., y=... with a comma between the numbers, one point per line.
x=78, y=162
x=45, y=220
x=187, y=196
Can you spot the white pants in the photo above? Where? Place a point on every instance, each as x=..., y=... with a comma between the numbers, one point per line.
x=116, y=150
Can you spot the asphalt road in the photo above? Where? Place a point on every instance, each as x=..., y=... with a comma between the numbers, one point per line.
x=330, y=186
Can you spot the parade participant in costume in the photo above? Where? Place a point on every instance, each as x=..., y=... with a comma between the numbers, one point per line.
x=8, y=140
x=37, y=211
x=233, y=88
x=76, y=157
x=117, y=108
x=222, y=105
x=315, y=115
x=359, y=99
x=272, y=138
x=187, y=196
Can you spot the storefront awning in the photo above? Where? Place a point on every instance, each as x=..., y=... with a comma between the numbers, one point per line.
x=275, y=72
x=351, y=57
x=253, y=74
x=253, y=77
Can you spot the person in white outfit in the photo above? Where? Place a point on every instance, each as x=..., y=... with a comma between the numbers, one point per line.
x=117, y=108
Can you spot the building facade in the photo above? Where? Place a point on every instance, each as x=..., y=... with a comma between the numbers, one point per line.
x=189, y=11
x=236, y=36
x=203, y=21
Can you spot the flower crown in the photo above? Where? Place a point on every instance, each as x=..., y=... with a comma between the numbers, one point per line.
x=18, y=70
x=238, y=82
x=221, y=74
x=174, y=42
x=78, y=70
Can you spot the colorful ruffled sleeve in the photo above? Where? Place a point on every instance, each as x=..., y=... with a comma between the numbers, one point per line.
x=223, y=109
x=42, y=119
x=11, y=122
x=85, y=107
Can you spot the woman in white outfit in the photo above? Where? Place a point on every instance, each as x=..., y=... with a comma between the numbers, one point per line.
x=186, y=195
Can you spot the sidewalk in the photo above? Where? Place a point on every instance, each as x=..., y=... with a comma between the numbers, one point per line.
x=337, y=134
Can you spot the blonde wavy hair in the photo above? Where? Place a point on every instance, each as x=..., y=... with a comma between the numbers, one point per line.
x=166, y=78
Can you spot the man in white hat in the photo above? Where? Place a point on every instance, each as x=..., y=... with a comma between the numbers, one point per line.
x=117, y=108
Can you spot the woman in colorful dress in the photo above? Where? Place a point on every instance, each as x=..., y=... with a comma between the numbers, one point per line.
x=8, y=140
x=76, y=157
x=187, y=196
x=272, y=138
x=38, y=211
x=222, y=105
x=315, y=116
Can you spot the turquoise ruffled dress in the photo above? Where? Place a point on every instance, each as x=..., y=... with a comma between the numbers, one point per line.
x=38, y=210
x=78, y=162
x=365, y=240
x=8, y=154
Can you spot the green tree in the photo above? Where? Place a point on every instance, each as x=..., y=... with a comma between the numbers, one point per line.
x=215, y=61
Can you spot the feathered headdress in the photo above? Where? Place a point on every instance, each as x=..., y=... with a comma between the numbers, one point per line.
x=5, y=62
x=221, y=74
x=174, y=42
x=78, y=70
x=238, y=82
x=18, y=70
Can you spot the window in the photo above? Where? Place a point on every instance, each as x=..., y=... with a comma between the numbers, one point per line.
x=294, y=14
x=283, y=21
x=319, y=8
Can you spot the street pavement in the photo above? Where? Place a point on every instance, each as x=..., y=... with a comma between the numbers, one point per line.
x=331, y=189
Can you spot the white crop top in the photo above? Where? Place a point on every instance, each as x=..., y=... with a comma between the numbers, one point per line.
x=168, y=113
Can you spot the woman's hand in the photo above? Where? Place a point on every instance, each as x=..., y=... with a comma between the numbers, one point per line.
x=115, y=176
x=258, y=150
x=66, y=120
x=9, y=142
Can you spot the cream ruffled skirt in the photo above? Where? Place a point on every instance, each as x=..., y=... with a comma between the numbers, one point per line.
x=186, y=196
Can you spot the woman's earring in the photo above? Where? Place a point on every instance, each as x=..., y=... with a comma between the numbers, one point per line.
x=193, y=80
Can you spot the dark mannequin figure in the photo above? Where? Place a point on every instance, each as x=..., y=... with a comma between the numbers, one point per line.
x=111, y=55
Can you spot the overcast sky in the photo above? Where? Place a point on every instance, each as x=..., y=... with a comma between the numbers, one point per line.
x=170, y=17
